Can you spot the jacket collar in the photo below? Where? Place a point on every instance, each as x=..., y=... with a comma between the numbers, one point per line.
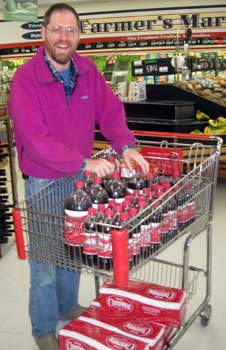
x=43, y=73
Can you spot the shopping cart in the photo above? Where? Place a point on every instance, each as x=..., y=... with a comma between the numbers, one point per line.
x=192, y=163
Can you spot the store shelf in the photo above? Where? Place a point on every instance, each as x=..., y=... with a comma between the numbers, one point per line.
x=8, y=194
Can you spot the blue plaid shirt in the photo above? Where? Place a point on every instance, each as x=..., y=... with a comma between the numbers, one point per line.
x=70, y=87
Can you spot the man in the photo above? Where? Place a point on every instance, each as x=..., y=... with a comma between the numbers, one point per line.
x=56, y=100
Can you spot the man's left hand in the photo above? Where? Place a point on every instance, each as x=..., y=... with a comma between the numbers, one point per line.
x=132, y=154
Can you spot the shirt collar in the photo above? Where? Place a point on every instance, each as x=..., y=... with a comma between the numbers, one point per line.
x=54, y=72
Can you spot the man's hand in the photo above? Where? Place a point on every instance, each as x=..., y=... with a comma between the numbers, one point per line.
x=101, y=167
x=131, y=154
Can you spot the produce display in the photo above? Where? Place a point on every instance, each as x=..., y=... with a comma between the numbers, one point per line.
x=212, y=88
x=214, y=127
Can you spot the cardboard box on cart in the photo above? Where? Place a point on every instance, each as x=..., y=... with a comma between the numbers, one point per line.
x=164, y=305
x=82, y=335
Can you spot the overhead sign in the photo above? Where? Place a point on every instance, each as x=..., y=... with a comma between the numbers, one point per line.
x=151, y=29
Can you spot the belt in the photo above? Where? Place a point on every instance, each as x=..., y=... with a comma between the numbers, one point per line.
x=25, y=177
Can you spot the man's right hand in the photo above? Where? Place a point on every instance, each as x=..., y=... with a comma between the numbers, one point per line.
x=101, y=167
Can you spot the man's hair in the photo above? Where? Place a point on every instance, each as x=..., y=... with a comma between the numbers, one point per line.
x=58, y=8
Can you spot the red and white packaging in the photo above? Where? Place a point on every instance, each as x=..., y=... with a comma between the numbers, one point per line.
x=82, y=335
x=161, y=304
x=141, y=329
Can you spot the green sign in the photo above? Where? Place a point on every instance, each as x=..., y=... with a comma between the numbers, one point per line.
x=20, y=10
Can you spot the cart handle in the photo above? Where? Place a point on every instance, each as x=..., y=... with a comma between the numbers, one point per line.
x=172, y=134
x=19, y=235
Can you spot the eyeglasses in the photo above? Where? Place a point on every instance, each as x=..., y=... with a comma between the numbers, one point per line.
x=69, y=31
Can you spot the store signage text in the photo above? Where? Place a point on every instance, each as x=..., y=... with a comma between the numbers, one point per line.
x=90, y=26
x=128, y=30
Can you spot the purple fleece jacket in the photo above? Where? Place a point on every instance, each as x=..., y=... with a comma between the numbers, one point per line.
x=54, y=137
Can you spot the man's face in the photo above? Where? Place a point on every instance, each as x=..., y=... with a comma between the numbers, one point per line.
x=61, y=38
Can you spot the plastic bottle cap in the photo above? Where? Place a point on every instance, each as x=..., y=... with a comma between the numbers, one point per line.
x=101, y=207
x=97, y=180
x=133, y=211
x=88, y=173
x=109, y=213
x=111, y=203
x=92, y=211
x=142, y=204
x=124, y=216
x=115, y=175
x=136, y=192
x=118, y=207
x=79, y=184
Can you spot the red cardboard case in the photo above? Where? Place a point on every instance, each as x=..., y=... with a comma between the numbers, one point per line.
x=161, y=304
x=140, y=328
x=82, y=335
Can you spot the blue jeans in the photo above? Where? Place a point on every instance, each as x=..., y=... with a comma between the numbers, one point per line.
x=53, y=290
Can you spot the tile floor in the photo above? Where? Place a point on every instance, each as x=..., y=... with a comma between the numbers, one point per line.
x=15, y=330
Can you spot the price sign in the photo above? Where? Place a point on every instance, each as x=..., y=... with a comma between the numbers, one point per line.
x=153, y=67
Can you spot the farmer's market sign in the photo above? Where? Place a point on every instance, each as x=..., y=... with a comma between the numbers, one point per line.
x=149, y=29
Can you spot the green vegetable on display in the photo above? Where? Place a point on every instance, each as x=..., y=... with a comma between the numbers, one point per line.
x=201, y=115
x=215, y=127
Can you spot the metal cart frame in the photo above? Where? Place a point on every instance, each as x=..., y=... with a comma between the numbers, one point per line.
x=39, y=224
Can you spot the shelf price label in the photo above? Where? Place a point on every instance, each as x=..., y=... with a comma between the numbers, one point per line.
x=153, y=67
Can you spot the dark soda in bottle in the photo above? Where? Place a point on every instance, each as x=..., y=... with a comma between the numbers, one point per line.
x=116, y=188
x=136, y=182
x=76, y=210
x=104, y=241
x=97, y=193
x=90, y=239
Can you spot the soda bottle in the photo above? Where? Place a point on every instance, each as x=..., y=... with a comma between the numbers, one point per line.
x=182, y=214
x=126, y=206
x=90, y=239
x=148, y=180
x=117, y=212
x=172, y=214
x=145, y=227
x=136, y=237
x=116, y=188
x=104, y=241
x=136, y=182
x=190, y=204
x=76, y=211
x=165, y=225
x=88, y=179
x=155, y=230
x=97, y=193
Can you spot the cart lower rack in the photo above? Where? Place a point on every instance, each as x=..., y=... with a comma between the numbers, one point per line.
x=138, y=247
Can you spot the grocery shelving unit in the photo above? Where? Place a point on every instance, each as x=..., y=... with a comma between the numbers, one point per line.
x=8, y=192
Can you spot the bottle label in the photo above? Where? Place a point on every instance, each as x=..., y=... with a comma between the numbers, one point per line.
x=119, y=200
x=74, y=227
x=104, y=245
x=136, y=241
x=182, y=214
x=155, y=232
x=96, y=205
x=191, y=210
x=165, y=224
x=90, y=243
x=130, y=190
x=173, y=225
x=145, y=235
x=130, y=249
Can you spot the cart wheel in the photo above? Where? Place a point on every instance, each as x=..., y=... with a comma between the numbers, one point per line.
x=206, y=315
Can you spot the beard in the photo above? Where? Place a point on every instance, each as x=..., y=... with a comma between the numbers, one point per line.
x=60, y=58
